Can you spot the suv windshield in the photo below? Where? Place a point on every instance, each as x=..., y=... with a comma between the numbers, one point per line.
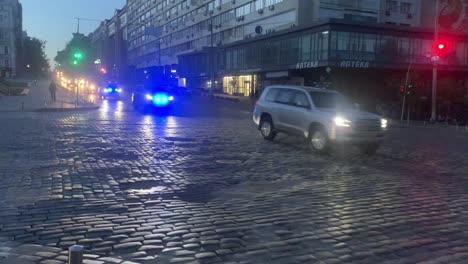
x=330, y=100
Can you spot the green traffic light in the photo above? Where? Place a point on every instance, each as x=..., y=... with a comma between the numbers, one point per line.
x=78, y=55
x=75, y=62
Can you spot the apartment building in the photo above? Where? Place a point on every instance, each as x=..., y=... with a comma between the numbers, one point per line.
x=11, y=33
x=186, y=24
x=110, y=44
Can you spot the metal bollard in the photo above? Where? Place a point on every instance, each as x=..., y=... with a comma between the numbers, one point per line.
x=75, y=254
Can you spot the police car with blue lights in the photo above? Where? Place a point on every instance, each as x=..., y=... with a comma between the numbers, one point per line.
x=156, y=98
x=111, y=91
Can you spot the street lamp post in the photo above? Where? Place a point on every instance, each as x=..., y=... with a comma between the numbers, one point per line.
x=211, y=61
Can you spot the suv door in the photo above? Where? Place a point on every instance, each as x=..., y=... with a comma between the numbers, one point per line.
x=297, y=115
x=283, y=102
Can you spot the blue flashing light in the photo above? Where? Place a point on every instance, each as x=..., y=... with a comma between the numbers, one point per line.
x=109, y=90
x=161, y=99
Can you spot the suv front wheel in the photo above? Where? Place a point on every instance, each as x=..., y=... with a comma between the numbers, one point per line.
x=318, y=140
x=267, y=129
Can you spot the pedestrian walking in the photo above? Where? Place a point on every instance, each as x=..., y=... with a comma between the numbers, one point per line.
x=53, y=91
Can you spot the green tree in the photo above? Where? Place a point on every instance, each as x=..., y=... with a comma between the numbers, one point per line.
x=78, y=55
x=34, y=62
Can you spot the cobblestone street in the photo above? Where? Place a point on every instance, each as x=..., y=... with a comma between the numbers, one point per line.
x=201, y=186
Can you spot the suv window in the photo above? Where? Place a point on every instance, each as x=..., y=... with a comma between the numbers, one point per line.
x=271, y=95
x=284, y=96
x=301, y=100
x=330, y=100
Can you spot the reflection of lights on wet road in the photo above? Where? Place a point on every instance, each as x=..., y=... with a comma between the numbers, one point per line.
x=120, y=106
x=147, y=127
x=170, y=127
x=119, y=110
x=104, y=110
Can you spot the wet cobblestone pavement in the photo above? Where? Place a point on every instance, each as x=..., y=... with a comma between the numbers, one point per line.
x=200, y=186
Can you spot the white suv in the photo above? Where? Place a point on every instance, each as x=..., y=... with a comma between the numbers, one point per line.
x=320, y=115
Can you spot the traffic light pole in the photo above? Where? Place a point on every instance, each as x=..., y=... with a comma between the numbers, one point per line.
x=434, y=92
x=434, y=67
x=405, y=91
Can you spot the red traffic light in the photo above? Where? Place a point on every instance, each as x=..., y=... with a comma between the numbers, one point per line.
x=402, y=88
x=441, y=48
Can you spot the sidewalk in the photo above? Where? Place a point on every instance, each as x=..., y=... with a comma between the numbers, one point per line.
x=62, y=106
x=241, y=102
x=39, y=100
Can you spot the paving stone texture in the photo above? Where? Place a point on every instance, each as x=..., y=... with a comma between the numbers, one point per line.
x=201, y=186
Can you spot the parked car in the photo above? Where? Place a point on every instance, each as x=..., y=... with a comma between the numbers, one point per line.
x=322, y=116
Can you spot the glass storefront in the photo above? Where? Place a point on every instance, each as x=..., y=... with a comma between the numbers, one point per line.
x=384, y=47
x=243, y=85
x=278, y=51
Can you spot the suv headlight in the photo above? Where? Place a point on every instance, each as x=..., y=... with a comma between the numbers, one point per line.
x=383, y=123
x=342, y=122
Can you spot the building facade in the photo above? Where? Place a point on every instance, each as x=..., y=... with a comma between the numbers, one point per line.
x=367, y=56
x=110, y=43
x=160, y=31
x=186, y=26
x=11, y=33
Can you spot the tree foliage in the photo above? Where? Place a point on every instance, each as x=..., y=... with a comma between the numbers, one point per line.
x=34, y=60
x=79, y=43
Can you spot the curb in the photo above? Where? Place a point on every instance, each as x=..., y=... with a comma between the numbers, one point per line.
x=226, y=98
x=79, y=109
x=220, y=97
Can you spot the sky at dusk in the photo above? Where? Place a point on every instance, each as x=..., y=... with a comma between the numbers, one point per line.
x=54, y=20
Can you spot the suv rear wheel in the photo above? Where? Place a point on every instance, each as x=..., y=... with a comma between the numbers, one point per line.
x=318, y=140
x=267, y=129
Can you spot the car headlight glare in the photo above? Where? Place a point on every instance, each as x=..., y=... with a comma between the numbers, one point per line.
x=342, y=122
x=383, y=123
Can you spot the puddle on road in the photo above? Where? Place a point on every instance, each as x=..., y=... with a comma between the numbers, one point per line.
x=147, y=187
x=152, y=190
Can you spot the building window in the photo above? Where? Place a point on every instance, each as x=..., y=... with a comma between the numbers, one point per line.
x=243, y=10
x=259, y=4
x=405, y=8
x=211, y=6
x=392, y=5
x=7, y=63
x=306, y=48
x=6, y=50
